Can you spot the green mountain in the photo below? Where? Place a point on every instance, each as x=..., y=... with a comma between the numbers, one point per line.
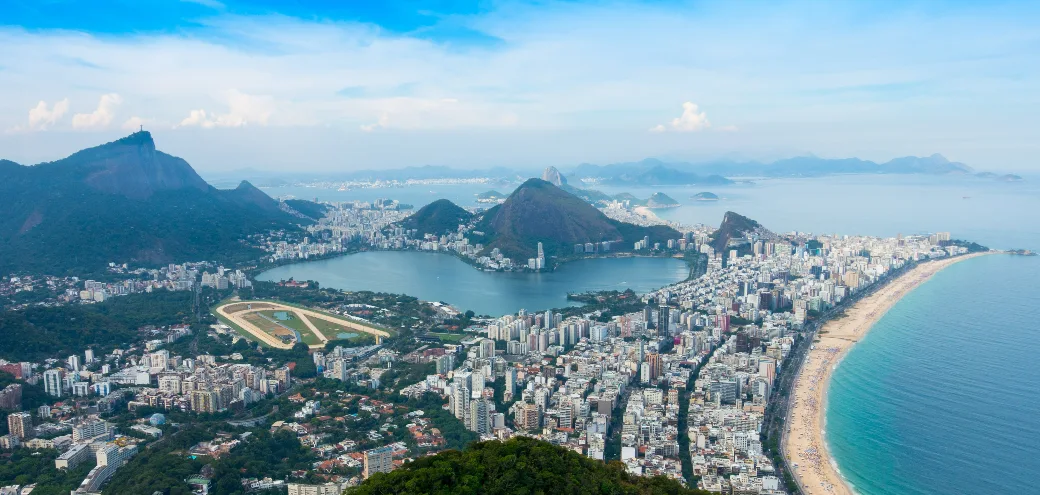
x=124, y=201
x=541, y=212
x=734, y=233
x=492, y=194
x=438, y=217
x=661, y=200
x=517, y=466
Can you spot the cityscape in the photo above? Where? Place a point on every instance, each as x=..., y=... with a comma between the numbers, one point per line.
x=519, y=248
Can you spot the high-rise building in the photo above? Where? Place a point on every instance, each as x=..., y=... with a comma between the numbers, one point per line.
x=20, y=425
x=653, y=359
x=662, y=320
x=52, y=382
x=74, y=363
x=379, y=460
x=89, y=355
x=478, y=418
x=528, y=417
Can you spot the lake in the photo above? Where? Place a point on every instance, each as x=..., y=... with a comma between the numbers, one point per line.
x=443, y=277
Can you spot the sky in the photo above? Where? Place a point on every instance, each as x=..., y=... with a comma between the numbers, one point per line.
x=343, y=85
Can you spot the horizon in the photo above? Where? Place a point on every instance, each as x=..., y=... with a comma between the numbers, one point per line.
x=322, y=88
x=244, y=173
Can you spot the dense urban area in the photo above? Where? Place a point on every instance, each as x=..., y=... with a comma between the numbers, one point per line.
x=133, y=383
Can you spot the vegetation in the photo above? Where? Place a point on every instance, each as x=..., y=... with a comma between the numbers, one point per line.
x=307, y=208
x=734, y=226
x=43, y=332
x=127, y=202
x=972, y=247
x=541, y=212
x=518, y=466
x=26, y=466
x=438, y=217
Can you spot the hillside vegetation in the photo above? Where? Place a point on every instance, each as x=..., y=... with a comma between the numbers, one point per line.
x=541, y=212
x=122, y=202
x=518, y=466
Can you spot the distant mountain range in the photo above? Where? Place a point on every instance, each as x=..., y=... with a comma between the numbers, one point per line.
x=538, y=211
x=655, y=172
x=125, y=201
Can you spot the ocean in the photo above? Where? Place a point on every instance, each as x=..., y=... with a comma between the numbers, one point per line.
x=943, y=395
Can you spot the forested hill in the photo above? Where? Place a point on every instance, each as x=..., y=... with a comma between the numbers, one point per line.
x=519, y=466
x=124, y=201
x=538, y=211
x=439, y=217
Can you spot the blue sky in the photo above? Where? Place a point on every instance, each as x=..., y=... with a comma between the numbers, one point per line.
x=344, y=85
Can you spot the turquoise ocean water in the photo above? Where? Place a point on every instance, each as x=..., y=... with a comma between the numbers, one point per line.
x=943, y=395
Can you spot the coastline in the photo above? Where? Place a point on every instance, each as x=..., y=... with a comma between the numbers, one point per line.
x=804, y=442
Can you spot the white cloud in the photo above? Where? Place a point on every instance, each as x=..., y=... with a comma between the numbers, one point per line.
x=382, y=123
x=101, y=117
x=197, y=118
x=243, y=109
x=41, y=117
x=690, y=121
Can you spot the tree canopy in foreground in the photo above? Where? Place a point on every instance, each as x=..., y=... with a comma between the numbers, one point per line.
x=517, y=466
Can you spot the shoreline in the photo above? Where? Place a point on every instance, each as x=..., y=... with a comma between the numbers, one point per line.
x=805, y=443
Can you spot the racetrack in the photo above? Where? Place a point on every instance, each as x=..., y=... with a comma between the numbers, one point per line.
x=235, y=312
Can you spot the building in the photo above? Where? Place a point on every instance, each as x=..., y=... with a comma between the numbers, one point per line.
x=73, y=457
x=324, y=489
x=20, y=425
x=379, y=460
x=662, y=320
x=52, y=383
x=11, y=397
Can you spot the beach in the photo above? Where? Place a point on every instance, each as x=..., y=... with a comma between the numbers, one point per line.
x=804, y=444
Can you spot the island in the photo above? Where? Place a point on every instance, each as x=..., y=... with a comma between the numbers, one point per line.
x=491, y=197
x=661, y=200
x=705, y=196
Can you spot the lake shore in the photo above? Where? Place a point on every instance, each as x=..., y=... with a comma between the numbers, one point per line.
x=805, y=442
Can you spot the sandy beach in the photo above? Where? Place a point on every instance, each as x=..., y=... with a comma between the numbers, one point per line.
x=804, y=443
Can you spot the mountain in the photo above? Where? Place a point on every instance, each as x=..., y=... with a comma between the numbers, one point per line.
x=492, y=194
x=736, y=232
x=308, y=209
x=519, y=465
x=538, y=211
x=935, y=164
x=438, y=217
x=661, y=200
x=705, y=196
x=125, y=201
x=652, y=171
x=554, y=177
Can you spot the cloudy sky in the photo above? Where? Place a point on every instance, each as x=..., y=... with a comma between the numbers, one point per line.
x=362, y=84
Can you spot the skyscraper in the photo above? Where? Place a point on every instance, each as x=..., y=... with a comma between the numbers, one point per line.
x=662, y=320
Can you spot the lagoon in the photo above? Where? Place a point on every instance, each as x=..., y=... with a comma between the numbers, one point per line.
x=443, y=277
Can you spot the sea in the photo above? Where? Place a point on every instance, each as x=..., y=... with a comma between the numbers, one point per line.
x=941, y=397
